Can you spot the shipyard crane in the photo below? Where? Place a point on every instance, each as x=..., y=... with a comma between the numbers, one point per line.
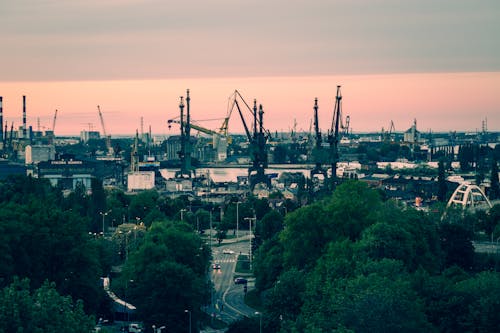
x=54, y=121
x=184, y=153
x=134, y=154
x=106, y=137
x=318, y=153
x=333, y=136
x=257, y=140
x=388, y=136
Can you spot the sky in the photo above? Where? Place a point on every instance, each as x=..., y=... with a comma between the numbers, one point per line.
x=436, y=61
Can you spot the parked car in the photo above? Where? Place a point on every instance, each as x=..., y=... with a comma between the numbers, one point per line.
x=240, y=280
x=228, y=251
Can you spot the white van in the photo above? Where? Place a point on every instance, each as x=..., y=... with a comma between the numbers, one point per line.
x=134, y=328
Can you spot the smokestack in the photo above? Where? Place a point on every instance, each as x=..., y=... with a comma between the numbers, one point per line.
x=1, y=118
x=24, y=117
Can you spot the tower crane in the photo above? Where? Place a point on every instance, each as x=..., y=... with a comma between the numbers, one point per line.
x=106, y=137
x=257, y=139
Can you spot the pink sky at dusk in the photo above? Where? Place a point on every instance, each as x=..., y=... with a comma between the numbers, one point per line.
x=439, y=102
x=136, y=57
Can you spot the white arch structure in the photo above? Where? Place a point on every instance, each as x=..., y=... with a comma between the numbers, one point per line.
x=468, y=196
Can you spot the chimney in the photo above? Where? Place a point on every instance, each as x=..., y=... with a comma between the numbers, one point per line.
x=24, y=117
x=1, y=118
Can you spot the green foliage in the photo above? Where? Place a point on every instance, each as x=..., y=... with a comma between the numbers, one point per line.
x=285, y=299
x=42, y=242
x=494, y=184
x=270, y=225
x=442, y=187
x=268, y=264
x=456, y=242
x=170, y=265
x=352, y=208
x=40, y=311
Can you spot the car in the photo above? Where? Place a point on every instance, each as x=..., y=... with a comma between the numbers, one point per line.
x=135, y=328
x=240, y=280
x=216, y=265
x=228, y=251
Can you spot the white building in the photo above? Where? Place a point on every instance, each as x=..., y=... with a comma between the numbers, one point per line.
x=141, y=180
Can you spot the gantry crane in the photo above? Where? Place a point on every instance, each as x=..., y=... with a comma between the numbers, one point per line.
x=257, y=140
x=333, y=136
x=388, y=136
x=318, y=153
x=106, y=137
x=184, y=153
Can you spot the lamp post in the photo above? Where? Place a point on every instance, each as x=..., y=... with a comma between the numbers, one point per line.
x=260, y=320
x=250, y=219
x=103, y=215
x=237, y=219
x=210, y=233
x=189, y=312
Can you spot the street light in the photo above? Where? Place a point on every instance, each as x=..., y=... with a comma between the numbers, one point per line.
x=250, y=219
x=260, y=320
x=189, y=312
x=237, y=219
x=103, y=215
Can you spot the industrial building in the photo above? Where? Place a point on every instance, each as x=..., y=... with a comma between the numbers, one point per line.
x=39, y=153
x=67, y=173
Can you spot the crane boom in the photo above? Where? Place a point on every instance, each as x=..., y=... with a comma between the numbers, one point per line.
x=54, y=121
x=195, y=127
x=106, y=137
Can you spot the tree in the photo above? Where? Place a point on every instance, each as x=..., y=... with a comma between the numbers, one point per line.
x=369, y=302
x=442, y=187
x=269, y=225
x=40, y=311
x=352, y=208
x=268, y=264
x=494, y=187
x=285, y=299
x=456, y=242
x=170, y=265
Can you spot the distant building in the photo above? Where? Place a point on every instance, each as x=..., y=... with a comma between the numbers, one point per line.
x=8, y=169
x=412, y=135
x=141, y=180
x=173, y=146
x=39, y=153
x=85, y=136
x=67, y=173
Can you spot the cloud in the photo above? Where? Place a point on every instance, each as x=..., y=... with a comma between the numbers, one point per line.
x=92, y=40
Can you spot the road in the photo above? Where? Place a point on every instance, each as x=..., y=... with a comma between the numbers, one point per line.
x=228, y=298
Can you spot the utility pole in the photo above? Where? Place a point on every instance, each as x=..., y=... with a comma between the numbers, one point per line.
x=237, y=220
x=250, y=219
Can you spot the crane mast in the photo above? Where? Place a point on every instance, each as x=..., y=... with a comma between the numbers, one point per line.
x=318, y=151
x=185, y=150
